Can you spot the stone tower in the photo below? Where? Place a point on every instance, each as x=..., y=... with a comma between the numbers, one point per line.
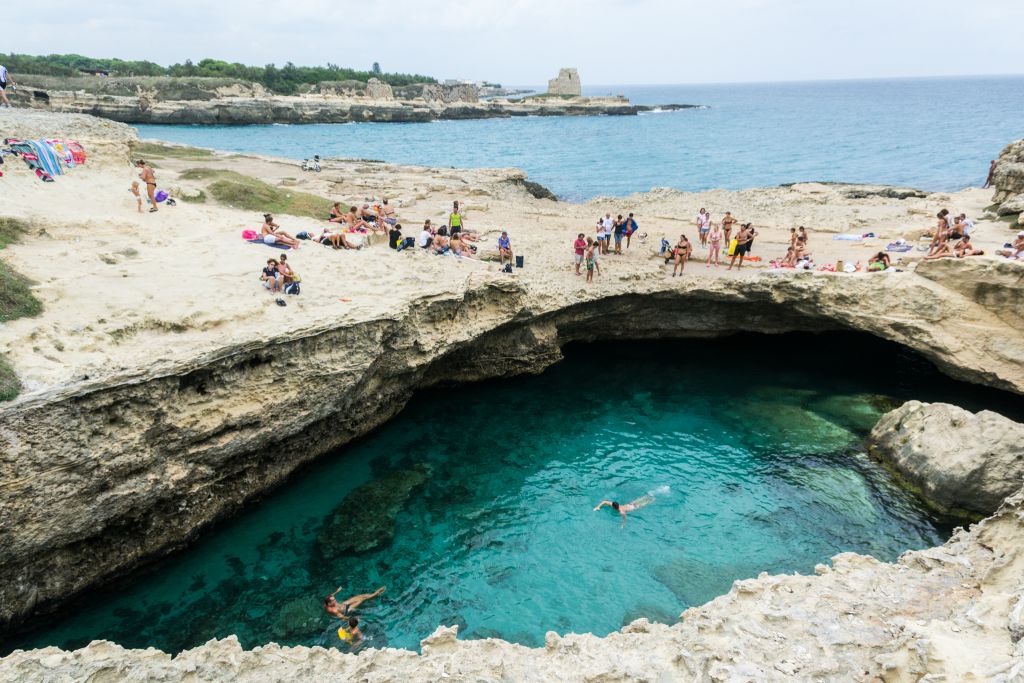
x=567, y=83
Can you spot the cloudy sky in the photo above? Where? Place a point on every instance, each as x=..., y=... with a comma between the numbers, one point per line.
x=525, y=41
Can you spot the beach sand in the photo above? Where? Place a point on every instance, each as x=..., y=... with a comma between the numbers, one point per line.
x=124, y=292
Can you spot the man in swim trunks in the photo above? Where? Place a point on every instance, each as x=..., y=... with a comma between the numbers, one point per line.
x=628, y=507
x=345, y=609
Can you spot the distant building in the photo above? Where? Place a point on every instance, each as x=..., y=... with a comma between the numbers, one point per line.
x=567, y=83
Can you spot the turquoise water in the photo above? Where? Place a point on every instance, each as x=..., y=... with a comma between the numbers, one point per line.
x=755, y=460
x=938, y=134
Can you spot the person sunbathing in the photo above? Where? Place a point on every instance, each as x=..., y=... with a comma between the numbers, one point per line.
x=1016, y=250
x=273, y=234
x=439, y=244
x=459, y=247
x=879, y=262
x=337, y=215
x=943, y=250
x=336, y=240
x=965, y=248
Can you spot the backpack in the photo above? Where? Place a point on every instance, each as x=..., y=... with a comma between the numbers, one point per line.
x=291, y=288
x=507, y=268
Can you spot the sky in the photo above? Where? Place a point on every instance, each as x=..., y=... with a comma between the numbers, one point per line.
x=524, y=42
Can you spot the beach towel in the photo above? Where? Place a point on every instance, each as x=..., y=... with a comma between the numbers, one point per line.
x=61, y=151
x=276, y=245
x=47, y=159
x=77, y=152
x=851, y=238
x=901, y=248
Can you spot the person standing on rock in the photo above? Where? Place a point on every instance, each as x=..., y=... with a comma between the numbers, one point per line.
x=727, y=224
x=742, y=243
x=988, y=180
x=607, y=227
x=5, y=80
x=456, y=222
x=703, y=225
x=631, y=227
x=579, y=248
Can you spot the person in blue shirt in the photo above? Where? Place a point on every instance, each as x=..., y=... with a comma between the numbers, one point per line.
x=505, y=248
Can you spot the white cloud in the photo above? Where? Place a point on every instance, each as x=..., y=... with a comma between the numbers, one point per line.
x=526, y=41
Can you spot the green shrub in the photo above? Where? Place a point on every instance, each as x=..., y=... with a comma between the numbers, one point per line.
x=11, y=230
x=250, y=194
x=9, y=384
x=156, y=149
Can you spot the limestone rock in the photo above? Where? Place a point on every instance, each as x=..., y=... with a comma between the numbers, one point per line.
x=379, y=90
x=1011, y=206
x=366, y=518
x=958, y=459
x=1008, y=179
x=566, y=83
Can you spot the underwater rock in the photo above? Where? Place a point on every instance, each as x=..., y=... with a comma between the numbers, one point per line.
x=959, y=459
x=365, y=520
x=650, y=613
x=298, y=618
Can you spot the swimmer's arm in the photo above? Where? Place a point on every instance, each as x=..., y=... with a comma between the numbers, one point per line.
x=602, y=504
x=337, y=591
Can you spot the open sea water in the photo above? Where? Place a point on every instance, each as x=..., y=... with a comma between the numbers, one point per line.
x=937, y=134
x=752, y=447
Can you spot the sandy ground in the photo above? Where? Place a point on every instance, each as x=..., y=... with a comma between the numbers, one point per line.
x=123, y=290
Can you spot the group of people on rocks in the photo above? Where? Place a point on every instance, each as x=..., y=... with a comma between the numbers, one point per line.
x=952, y=238
x=713, y=238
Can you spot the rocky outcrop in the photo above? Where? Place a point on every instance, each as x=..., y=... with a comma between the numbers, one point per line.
x=566, y=83
x=341, y=102
x=105, y=142
x=952, y=613
x=148, y=460
x=1008, y=180
x=959, y=460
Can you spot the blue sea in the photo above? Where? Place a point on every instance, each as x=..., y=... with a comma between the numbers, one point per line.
x=935, y=134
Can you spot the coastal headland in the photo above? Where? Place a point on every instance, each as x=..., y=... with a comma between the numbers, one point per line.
x=197, y=100
x=140, y=420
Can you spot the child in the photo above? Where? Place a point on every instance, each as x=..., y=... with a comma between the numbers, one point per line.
x=138, y=196
x=590, y=260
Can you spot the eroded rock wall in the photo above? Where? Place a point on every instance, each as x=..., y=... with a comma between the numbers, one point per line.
x=1008, y=180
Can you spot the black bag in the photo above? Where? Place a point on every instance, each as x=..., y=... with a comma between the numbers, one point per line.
x=291, y=288
x=519, y=261
x=507, y=268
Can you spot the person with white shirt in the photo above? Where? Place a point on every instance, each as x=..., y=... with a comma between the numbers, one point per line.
x=963, y=226
x=426, y=236
x=703, y=225
x=608, y=226
x=5, y=80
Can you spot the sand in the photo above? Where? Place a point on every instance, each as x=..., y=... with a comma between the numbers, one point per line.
x=123, y=291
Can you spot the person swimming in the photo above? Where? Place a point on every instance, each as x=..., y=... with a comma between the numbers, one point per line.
x=635, y=505
x=351, y=633
x=345, y=609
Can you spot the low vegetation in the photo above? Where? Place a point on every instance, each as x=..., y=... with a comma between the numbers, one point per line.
x=286, y=79
x=16, y=300
x=249, y=194
x=160, y=150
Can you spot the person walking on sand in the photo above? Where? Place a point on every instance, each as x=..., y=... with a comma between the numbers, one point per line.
x=148, y=177
x=579, y=248
x=714, y=245
x=682, y=252
x=344, y=610
x=6, y=79
x=742, y=240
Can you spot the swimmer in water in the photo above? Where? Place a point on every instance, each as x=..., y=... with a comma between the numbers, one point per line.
x=628, y=507
x=351, y=633
x=345, y=609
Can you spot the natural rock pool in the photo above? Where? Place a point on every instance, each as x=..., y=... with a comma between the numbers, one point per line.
x=474, y=506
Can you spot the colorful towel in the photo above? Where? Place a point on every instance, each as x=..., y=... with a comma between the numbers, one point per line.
x=47, y=159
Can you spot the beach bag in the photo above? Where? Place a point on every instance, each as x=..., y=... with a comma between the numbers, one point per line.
x=291, y=288
x=507, y=268
x=519, y=261
x=302, y=235
x=249, y=235
x=732, y=247
x=160, y=196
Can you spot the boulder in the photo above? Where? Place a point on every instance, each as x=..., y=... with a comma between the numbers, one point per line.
x=1008, y=179
x=365, y=520
x=1011, y=206
x=959, y=460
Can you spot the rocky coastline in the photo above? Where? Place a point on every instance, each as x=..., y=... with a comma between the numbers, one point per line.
x=151, y=454
x=215, y=103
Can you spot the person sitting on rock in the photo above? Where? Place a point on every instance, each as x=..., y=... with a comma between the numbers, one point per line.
x=346, y=609
x=271, y=277
x=387, y=213
x=504, y=249
x=1016, y=250
x=878, y=262
x=965, y=248
x=426, y=237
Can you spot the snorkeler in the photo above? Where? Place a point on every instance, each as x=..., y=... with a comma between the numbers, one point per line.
x=629, y=507
x=345, y=609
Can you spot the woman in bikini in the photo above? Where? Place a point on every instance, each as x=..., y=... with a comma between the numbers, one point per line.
x=682, y=253
x=345, y=609
x=715, y=242
x=147, y=176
